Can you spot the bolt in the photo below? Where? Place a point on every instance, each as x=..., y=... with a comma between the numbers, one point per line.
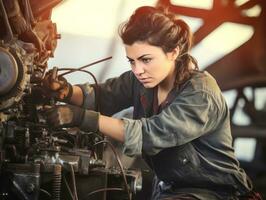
x=30, y=188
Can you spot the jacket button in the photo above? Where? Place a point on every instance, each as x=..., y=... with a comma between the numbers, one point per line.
x=184, y=161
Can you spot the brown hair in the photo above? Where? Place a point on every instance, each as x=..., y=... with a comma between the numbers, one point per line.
x=160, y=28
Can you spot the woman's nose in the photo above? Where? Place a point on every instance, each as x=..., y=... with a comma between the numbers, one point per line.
x=138, y=69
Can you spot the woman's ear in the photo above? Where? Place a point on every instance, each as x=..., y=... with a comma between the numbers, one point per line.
x=174, y=53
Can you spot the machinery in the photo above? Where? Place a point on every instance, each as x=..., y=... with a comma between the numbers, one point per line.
x=37, y=161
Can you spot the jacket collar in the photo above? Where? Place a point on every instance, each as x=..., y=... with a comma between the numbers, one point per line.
x=146, y=100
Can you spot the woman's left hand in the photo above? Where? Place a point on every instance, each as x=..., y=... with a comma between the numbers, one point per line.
x=73, y=116
x=65, y=116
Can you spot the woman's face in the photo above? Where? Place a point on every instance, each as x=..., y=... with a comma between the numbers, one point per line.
x=150, y=64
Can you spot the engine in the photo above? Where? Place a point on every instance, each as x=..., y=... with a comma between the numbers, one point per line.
x=37, y=161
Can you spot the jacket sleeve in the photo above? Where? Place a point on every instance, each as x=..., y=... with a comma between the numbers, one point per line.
x=189, y=116
x=111, y=96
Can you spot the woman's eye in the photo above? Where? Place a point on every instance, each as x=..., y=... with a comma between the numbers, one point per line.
x=132, y=62
x=146, y=60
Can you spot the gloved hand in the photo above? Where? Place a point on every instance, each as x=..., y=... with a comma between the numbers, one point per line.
x=57, y=87
x=73, y=116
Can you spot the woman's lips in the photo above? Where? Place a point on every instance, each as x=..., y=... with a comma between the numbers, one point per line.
x=145, y=80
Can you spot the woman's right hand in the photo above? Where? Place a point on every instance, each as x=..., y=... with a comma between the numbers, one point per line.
x=57, y=86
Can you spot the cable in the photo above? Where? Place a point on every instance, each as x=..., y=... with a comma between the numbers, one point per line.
x=97, y=92
x=45, y=192
x=74, y=182
x=71, y=70
x=68, y=188
x=119, y=163
x=102, y=190
x=81, y=68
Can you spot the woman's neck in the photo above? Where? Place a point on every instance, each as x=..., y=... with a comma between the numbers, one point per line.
x=168, y=83
x=166, y=86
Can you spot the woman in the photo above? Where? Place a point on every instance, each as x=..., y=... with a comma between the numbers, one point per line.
x=180, y=121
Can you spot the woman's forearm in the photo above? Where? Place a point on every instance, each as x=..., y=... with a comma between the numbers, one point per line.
x=77, y=96
x=109, y=126
x=112, y=127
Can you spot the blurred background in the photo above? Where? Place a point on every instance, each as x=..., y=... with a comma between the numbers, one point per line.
x=229, y=43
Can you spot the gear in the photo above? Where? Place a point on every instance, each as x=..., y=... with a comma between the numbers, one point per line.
x=8, y=71
x=13, y=76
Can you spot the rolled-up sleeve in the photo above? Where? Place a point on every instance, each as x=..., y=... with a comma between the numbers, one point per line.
x=112, y=96
x=88, y=96
x=133, y=137
x=188, y=117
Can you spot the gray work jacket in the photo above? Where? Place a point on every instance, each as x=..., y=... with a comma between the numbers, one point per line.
x=188, y=143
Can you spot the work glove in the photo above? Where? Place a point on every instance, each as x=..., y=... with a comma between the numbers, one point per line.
x=57, y=87
x=72, y=116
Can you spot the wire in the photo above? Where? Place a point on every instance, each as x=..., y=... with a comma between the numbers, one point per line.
x=45, y=192
x=68, y=188
x=102, y=190
x=97, y=93
x=74, y=182
x=80, y=70
x=71, y=70
x=119, y=163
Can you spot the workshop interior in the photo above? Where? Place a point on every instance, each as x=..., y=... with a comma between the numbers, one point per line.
x=41, y=162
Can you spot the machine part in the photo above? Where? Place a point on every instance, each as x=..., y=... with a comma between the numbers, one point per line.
x=42, y=6
x=27, y=141
x=20, y=181
x=8, y=71
x=136, y=183
x=13, y=91
x=57, y=182
x=7, y=24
